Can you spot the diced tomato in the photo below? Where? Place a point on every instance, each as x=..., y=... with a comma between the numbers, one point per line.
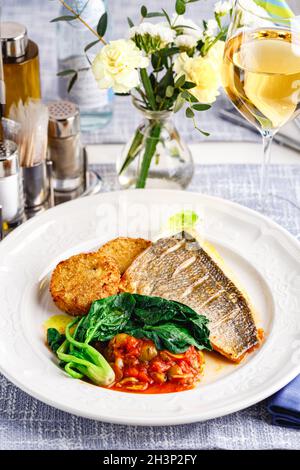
x=158, y=365
x=131, y=357
x=143, y=376
x=131, y=372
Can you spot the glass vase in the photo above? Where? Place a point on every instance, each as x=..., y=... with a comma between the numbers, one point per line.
x=156, y=156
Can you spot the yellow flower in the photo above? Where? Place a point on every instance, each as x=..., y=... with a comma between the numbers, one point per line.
x=215, y=54
x=116, y=66
x=205, y=72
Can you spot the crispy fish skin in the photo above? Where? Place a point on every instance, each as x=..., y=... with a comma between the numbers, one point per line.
x=178, y=268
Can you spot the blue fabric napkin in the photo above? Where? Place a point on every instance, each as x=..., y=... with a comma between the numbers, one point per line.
x=284, y=406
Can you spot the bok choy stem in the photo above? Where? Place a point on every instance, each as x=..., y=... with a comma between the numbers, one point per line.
x=85, y=358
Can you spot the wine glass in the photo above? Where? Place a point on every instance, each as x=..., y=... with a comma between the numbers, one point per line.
x=261, y=69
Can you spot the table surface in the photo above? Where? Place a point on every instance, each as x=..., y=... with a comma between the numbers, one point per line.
x=25, y=423
x=214, y=153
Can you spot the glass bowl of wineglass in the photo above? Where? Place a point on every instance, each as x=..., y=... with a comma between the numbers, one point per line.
x=261, y=68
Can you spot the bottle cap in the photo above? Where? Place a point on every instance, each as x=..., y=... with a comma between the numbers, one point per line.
x=9, y=164
x=64, y=119
x=14, y=39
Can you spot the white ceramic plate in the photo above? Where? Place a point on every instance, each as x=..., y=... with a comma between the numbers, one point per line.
x=264, y=257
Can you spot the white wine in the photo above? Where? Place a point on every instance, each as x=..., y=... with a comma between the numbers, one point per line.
x=261, y=75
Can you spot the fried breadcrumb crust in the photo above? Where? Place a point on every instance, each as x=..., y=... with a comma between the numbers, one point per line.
x=81, y=279
x=124, y=250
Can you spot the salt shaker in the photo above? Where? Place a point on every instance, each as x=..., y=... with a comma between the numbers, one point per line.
x=10, y=182
x=64, y=146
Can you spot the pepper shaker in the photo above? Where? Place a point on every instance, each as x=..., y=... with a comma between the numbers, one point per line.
x=64, y=146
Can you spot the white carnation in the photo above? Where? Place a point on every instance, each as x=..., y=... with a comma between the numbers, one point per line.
x=185, y=42
x=223, y=8
x=116, y=66
x=211, y=29
x=152, y=36
x=189, y=27
x=154, y=29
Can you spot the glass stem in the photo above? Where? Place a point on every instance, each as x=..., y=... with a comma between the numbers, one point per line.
x=267, y=137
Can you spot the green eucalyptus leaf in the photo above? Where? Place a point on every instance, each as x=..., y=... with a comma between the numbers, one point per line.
x=63, y=73
x=188, y=85
x=189, y=113
x=180, y=81
x=186, y=95
x=144, y=11
x=183, y=26
x=72, y=82
x=169, y=91
x=201, y=107
x=102, y=25
x=202, y=132
x=154, y=14
x=180, y=7
x=178, y=103
x=64, y=18
x=189, y=97
x=167, y=16
x=90, y=45
x=130, y=22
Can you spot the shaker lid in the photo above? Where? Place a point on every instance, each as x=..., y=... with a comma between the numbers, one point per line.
x=9, y=163
x=14, y=39
x=64, y=119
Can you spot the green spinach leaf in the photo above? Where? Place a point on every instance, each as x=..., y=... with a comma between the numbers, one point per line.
x=174, y=338
x=106, y=318
x=54, y=339
x=171, y=325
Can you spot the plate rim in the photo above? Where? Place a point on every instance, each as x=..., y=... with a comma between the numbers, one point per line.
x=157, y=421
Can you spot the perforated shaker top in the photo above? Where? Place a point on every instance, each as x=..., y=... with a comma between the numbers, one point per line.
x=8, y=158
x=64, y=119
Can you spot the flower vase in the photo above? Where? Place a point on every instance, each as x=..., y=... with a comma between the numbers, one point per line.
x=156, y=156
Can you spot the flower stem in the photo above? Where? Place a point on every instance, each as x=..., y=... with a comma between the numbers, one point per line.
x=133, y=151
x=148, y=88
x=150, y=148
x=70, y=9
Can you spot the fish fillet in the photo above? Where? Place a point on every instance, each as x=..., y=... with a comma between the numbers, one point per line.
x=179, y=268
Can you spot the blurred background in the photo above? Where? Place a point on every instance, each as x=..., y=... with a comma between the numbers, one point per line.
x=36, y=15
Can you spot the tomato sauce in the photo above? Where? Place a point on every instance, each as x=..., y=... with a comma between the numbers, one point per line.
x=141, y=368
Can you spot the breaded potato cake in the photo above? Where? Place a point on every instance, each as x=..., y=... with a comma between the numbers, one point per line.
x=77, y=281
x=124, y=250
